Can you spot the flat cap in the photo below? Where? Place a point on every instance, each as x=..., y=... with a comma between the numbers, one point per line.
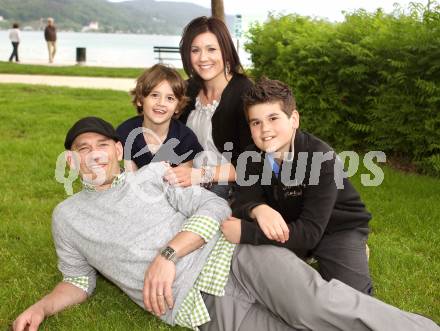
x=90, y=124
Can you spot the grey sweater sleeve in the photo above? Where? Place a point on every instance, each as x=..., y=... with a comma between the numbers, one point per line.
x=72, y=265
x=197, y=201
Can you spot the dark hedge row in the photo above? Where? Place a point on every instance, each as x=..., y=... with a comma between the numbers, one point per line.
x=371, y=82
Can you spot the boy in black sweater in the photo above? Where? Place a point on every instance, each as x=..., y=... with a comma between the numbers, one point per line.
x=298, y=201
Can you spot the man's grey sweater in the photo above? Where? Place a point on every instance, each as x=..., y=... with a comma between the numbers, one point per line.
x=119, y=232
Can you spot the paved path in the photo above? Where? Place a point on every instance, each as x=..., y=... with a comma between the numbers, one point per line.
x=121, y=84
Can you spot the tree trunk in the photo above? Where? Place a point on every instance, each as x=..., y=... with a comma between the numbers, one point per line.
x=218, y=9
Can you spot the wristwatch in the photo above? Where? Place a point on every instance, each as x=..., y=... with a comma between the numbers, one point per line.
x=169, y=253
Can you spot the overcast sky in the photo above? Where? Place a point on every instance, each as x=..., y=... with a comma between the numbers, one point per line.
x=257, y=9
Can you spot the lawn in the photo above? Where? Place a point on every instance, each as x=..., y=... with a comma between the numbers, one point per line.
x=405, y=259
x=85, y=71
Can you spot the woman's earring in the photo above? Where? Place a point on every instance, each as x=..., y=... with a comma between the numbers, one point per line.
x=228, y=68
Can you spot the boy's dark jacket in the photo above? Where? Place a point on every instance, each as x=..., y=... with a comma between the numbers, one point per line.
x=310, y=211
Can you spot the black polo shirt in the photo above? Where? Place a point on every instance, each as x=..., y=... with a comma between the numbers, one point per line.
x=180, y=145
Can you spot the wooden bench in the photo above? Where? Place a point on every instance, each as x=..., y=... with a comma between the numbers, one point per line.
x=163, y=51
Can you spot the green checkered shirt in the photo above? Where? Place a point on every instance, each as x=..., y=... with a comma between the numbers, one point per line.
x=119, y=179
x=213, y=277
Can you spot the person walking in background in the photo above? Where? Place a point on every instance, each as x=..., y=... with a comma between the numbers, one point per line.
x=50, y=34
x=14, y=37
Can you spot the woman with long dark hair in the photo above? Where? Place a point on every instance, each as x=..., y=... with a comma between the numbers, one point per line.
x=215, y=111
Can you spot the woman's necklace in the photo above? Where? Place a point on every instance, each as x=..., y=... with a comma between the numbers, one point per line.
x=205, y=100
x=215, y=90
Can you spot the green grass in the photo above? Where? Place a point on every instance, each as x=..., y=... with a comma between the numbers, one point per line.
x=405, y=240
x=33, y=123
x=405, y=259
x=30, y=69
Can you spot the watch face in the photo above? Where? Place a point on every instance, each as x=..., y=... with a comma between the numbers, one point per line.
x=168, y=253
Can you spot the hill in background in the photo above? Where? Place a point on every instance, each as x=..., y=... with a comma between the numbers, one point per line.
x=133, y=16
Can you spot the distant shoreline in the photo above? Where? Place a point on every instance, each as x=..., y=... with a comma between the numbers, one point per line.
x=126, y=50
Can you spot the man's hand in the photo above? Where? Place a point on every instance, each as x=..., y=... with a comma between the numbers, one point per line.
x=271, y=223
x=31, y=317
x=159, y=278
x=231, y=228
x=61, y=297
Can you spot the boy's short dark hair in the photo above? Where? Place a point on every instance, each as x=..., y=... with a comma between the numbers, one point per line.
x=15, y=25
x=269, y=91
x=154, y=76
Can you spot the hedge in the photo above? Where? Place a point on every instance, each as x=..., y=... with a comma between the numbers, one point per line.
x=371, y=82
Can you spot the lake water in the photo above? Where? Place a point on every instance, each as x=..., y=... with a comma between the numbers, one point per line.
x=102, y=49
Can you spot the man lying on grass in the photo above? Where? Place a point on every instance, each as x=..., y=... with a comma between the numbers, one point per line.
x=162, y=246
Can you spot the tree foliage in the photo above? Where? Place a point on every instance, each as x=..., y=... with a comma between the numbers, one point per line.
x=371, y=82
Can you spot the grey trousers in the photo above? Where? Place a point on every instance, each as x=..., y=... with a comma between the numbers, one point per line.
x=271, y=289
x=342, y=255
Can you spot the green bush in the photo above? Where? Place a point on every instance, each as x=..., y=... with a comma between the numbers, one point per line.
x=371, y=82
